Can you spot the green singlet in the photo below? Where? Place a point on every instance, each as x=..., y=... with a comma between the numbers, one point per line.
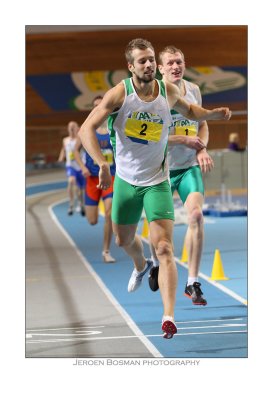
x=129, y=200
x=187, y=181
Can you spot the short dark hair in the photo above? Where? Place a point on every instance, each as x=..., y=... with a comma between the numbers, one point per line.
x=169, y=49
x=138, y=43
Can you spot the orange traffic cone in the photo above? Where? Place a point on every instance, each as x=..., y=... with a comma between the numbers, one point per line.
x=217, y=273
x=145, y=229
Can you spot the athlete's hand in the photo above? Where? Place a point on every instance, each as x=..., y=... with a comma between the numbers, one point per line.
x=220, y=113
x=194, y=142
x=105, y=178
x=85, y=172
x=205, y=161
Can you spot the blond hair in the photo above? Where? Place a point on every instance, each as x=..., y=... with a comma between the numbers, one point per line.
x=169, y=49
x=234, y=137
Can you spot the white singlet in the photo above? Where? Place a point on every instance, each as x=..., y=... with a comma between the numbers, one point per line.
x=139, y=133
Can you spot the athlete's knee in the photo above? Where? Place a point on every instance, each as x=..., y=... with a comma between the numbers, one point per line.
x=71, y=180
x=164, y=248
x=92, y=220
x=196, y=217
x=107, y=213
x=123, y=241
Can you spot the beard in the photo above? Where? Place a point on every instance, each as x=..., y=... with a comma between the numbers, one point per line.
x=145, y=77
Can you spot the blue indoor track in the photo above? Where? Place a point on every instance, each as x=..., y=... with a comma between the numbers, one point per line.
x=218, y=330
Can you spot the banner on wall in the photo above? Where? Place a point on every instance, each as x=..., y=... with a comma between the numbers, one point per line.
x=63, y=92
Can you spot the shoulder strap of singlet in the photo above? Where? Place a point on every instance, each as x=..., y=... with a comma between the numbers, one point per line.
x=162, y=88
x=128, y=86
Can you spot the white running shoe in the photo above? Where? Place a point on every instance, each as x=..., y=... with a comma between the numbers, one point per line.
x=107, y=258
x=136, y=277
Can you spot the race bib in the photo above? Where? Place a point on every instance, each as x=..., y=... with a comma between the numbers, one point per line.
x=108, y=155
x=71, y=156
x=150, y=131
x=187, y=130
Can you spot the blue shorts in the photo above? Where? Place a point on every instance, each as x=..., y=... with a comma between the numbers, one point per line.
x=80, y=180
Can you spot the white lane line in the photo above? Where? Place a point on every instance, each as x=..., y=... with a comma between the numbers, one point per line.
x=63, y=329
x=104, y=288
x=208, y=279
x=51, y=331
x=76, y=331
x=132, y=337
x=209, y=320
x=211, y=326
x=30, y=335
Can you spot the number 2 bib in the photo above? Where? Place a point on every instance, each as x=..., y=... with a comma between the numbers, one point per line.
x=141, y=129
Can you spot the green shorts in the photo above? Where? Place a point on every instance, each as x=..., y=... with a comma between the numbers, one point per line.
x=187, y=181
x=129, y=200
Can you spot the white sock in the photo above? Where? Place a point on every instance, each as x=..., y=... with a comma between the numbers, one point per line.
x=192, y=280
x=167, y=318
x=155, y=262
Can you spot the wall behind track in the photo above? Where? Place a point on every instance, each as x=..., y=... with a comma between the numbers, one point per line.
x=68, y=52
x=80, y=51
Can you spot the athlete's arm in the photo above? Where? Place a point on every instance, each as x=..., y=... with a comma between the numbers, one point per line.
x=62, y=153
x=203, y=129
x=78, y=159
x=193, y=111
x=192, y=142
x=112, y=100
x=204, y=159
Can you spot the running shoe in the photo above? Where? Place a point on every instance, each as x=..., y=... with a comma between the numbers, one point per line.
x=107, y=258
x=195, y=294
x=168, y=327
x=70, y=210
x=153, y=279
x=136, y=277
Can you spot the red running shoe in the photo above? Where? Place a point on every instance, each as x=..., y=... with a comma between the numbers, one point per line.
x=168, y=327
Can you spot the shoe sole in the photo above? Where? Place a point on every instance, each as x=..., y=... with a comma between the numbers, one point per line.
x=169, y=329
x=153, y=289
x=195, y=303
